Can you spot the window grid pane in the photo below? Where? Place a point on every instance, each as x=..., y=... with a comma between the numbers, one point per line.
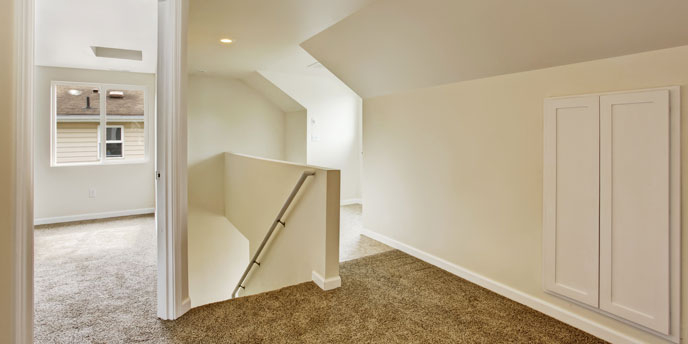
x=114, y=150
x=77, y=116
x=125, y=112
x=76, y=119
x=114, y=133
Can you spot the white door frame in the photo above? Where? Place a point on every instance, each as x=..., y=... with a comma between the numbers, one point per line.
x=173, y=291
x=171, y=161
x=22, y=326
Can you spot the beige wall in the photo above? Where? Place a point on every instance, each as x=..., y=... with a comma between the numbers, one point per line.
x=295, y=136
x=6, y=170
x=225, y=115
x=218, y=255
x=456, y=170
x=333, y=123
x=64, y=190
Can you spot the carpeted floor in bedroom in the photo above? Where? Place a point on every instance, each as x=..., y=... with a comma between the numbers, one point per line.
x=103, y=291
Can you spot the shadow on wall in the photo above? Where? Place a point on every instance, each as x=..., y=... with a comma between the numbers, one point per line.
x=206, y=184
x=218, y=252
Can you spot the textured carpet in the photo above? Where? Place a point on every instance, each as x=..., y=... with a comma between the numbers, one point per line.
x=95, y=282
x=390, y=297
x=107, y=295
x=352, y=243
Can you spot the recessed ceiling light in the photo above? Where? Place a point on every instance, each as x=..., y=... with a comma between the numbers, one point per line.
x=226, y=40
x=75, y=92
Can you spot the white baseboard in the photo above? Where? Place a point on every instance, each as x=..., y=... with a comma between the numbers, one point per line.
x=350, y=201
x=326, y=284
x=540, y=305
x=92, y=216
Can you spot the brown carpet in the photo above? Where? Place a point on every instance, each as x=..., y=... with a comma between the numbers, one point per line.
x=109, y=297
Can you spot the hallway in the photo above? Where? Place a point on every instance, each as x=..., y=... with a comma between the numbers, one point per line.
x=352, y=244
x=99, y=275
x=384, y=298
x=95, y=283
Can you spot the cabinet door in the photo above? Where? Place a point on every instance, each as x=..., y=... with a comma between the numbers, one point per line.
x=634, y=207
x=571, y=198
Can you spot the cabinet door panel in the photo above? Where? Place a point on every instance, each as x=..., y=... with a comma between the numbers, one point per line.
x=634, y=207
x=571, y=198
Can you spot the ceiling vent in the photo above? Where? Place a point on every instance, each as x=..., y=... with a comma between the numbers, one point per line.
x=122, y=54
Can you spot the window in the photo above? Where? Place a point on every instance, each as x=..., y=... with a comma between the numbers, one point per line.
x=113, y=145
x=83, y=114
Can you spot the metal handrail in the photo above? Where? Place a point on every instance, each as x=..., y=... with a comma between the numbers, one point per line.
x=278, y=220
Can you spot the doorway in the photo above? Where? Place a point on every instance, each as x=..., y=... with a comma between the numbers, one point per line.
x=94, y=167
x=170, y=250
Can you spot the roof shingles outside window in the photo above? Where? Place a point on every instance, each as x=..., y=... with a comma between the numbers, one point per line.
x=85, y=101
x=77, y=101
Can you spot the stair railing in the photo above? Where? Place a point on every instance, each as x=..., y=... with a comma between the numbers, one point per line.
x=278, y=221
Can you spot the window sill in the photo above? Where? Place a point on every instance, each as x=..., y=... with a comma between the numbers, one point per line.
x=105, y=163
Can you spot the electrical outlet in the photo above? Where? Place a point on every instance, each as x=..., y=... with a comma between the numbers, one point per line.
x=91, y=193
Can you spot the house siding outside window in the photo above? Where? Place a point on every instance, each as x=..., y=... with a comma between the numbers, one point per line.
x=79, y=138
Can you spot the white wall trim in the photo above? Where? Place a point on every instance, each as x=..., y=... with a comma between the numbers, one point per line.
x=350, y=201
x=171, y=161
x=537, y=304
x=93, y=216
x=326, y=284
x=22, y=290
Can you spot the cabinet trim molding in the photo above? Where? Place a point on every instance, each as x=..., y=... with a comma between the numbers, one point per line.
x=674, y=234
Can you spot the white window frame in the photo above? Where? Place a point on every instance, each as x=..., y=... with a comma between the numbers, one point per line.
x=103, y=88
x=120, y=141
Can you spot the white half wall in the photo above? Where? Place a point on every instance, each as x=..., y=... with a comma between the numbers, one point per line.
x=307, y=246
x=63, y=191
x=453, y=174
x=333, y=123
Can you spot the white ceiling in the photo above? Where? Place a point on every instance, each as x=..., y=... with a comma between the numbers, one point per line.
x=397, y=45
x=266, y=33
x=67, y=29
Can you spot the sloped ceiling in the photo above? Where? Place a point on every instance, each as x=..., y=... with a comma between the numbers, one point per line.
x=396, y=45
x=273, y=93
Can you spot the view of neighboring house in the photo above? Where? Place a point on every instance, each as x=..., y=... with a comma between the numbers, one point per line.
x=79, y=119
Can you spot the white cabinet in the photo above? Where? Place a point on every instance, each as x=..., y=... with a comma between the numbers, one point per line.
x=571, y=198
x=611, y=205
x=634, y=207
